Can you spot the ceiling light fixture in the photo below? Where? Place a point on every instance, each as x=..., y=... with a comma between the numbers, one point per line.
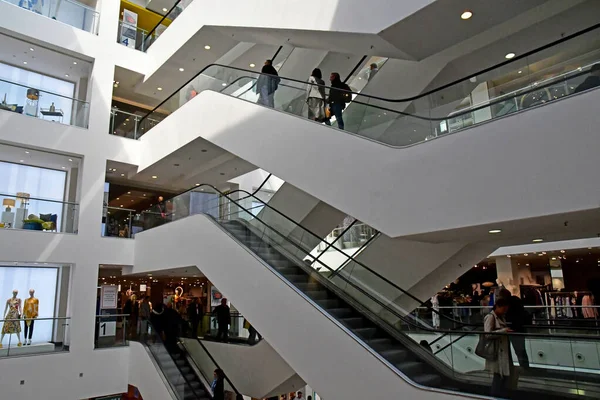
x=509, y=56
x=20, y=160
x=122, y=174
x=74, y=62
x=197, y=184
x=159, y=89
x=466, y=14
x=70, y=160
x=537, y=240
x=67, y=75
x=495, y=231
x=154, y=177
x=252, y=65
x=64, y=167
x=128, y=192
x=207, y=47
x=223, y=84
x=31, y=49
x=165, y=10
x=25, y=62
x=181, y=69
x=520, y=72
x=26, y=152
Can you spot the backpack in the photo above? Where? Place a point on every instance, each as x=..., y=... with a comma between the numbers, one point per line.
x=347, y=96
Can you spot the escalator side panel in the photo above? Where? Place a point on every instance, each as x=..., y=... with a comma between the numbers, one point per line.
x=319, y=349
x=145, y=374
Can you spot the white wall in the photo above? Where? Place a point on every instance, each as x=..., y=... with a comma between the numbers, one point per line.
x=254, y=370
x=336, y=365
x=450, y=180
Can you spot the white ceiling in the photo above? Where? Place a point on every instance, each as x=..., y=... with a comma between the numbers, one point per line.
x=199, y=162
x=42, y=60
x=21, y=155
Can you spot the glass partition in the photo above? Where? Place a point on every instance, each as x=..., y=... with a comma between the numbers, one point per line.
x=541, y=77
x=22, y=211
x=161, y=26
x=42, y=104
x=69, y=12
x=112, y=330
x=19, y=337
x=132, y=36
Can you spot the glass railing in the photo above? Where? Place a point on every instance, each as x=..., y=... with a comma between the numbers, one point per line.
x=121, y=222
x=22, y=211
x=37, y=103
x=132, y=36
x=113, y=330
x=543, y=76
x=127, y=124
x=22, y=336
x=167, y=19
x=69, y=12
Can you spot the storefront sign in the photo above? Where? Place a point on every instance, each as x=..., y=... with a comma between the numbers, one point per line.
x=107, y=328
x=108, y=297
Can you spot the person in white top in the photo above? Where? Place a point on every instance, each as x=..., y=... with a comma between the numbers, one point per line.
x=315, y=96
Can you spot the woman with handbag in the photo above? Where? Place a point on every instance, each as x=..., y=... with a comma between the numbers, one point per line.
x=315, y=96
x=500, y=365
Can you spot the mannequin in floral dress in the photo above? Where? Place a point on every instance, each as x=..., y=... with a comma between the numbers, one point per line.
x=13, y=305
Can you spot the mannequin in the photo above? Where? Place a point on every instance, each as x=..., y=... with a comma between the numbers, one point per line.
x=30, y=313
x=13, y=306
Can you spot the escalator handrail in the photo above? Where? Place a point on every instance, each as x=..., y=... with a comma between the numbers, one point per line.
x=402, y=100
x=156, y=334
x=159, y=23
x=350, y=258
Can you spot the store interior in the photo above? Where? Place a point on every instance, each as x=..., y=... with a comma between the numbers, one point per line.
x=559, y=282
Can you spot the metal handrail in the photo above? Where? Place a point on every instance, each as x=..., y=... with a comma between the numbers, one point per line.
x=43, y=91
x=39, y=199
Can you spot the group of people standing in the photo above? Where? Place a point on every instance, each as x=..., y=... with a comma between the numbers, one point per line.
x=320, y=106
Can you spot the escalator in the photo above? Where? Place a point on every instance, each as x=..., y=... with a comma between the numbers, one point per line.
x=188, y=375
x=500, y=112
x=362, y=303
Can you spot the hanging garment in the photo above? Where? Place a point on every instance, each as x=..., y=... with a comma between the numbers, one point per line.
x=588, y=312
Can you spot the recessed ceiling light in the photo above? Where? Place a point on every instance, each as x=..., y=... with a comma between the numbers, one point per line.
x=122, y=174
x=252, y=65
x=207, y=47
x=74, y=62
x=223, y=84
x=25, y=62
x=495, y=231
x=197, y=184
x=128, y=192
x=144, y=195
x=159, y=88
x=31, y=49
x=562, y=251
x=118, y=198
x=537, y=240
x=64, y=168
x=509, y=55
x=70, y=159
x=466, y=14
x=26, y=152
x=154, y=176
x=121, y=205
x=520, y=72
x=67, y=75
x=181, y=69
x=20, y=160
x=165, y=10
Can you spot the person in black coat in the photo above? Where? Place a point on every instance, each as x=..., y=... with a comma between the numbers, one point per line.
x=195, y=314
x=223, y=315
x=517, y=318
x=218, y=385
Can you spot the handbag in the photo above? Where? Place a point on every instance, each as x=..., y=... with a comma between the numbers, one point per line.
x=487, y=348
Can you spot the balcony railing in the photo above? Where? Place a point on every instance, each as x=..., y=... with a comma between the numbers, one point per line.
x=50, y=336
x=38, y=214
x=38, y=103
x=69, y=12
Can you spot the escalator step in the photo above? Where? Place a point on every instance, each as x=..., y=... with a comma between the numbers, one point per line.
x=305, y=287
x=430, y=380
x=394, y=355
x=329, y=303
x=365, y=333
x=411, y=368
x=297, y=278
x=337, y=312
x=354, y=322
x=318, y=295
x=287, y=270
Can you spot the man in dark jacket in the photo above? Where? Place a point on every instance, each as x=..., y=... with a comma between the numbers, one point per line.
x=339, y=95
x=223, y=320
x=195, y=314
x=517, y=318
x=591, y=81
